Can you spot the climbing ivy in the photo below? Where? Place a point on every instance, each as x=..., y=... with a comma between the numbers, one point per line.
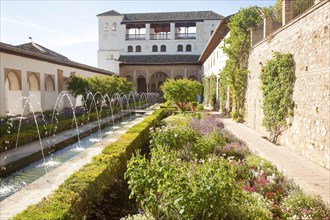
x=210, y=89
x=278, y=80
x=223, y=93
x=237, y=47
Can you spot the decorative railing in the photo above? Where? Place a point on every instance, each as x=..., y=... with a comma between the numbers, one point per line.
x=160, y=36
x=135, y=36
x=301, y=6
x=185, y=35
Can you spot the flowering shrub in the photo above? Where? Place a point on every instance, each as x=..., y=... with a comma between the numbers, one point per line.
x=198, y=170
x=206, y=125
x=301, y=206
x=169, y=188
x=234, y=149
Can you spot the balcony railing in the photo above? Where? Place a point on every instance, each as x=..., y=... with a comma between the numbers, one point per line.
x=162, y=36
x=185, y=35
x=135, y=36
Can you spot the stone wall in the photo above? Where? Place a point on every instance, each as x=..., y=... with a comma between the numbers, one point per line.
x=307, y=38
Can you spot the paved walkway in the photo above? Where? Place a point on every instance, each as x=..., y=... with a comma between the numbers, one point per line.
x=311, y=177
x=44, y=186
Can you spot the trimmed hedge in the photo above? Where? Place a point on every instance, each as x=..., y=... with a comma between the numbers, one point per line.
x=73, y=198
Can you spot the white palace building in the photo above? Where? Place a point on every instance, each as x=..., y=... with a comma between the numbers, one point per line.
x=147, y=48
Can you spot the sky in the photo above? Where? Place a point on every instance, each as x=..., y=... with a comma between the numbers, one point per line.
x=71, y=27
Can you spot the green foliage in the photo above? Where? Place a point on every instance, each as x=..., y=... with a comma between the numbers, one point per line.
x=278, y=78
x=301, y=206
x=237, y=47
x=210, y=89
x=73, y=198
x=194, y=103
x=103, y=84
x=176, y=120
x=78, y=86
x=181, y=91
x=201, y=191
x=200, y=107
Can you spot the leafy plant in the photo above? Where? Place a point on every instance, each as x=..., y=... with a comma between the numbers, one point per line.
x=201, y=191
x=181, y=91
x=200, y=107
x=237, y=47
x=301, y=206
x=278, y=78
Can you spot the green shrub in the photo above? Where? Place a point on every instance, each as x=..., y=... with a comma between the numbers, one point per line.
x=194, y=103
x=278, y=78
x=200, y=107
x=178, y=120
x=73, y=198
x=301, y=206
x=170, y=188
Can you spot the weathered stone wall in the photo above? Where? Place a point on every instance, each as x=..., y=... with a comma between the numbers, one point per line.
x=307, y=38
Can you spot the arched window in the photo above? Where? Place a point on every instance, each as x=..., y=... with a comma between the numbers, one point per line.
x=129, y=49
x=163, y=48
x=180, y=48
x=106, y=26
x=154, y=48
x=13, y=81
x=188, y=47
x=138, y=48
x=34, y=84
x=114, y=26
x=49, y=83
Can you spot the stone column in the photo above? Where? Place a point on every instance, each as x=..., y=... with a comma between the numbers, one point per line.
x=42, y=91
x=147, y=31
x=3, y=103
x=147, y=80
x=268, y=26
x=287, y=11
x=25, y=91
x=172, y=31
x=135, y=81
x=172, y=74
x=185, y=73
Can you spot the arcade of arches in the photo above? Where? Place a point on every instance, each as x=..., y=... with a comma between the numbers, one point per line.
x=42, y=90
x=150, y=79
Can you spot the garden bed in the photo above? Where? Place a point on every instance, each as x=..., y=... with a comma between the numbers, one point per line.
x=198, y=170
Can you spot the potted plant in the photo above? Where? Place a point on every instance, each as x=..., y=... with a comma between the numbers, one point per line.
x=194, y=105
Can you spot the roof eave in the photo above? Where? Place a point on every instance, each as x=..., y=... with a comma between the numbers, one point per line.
x=219, y=34
x=20, y=52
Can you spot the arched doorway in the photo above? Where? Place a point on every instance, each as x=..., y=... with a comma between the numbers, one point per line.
x=156, y=81
x=141, y=84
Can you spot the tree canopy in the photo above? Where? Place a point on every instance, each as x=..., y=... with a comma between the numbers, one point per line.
x=181, y=91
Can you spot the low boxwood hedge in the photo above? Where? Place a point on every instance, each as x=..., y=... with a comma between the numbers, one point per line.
x=73, y=198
